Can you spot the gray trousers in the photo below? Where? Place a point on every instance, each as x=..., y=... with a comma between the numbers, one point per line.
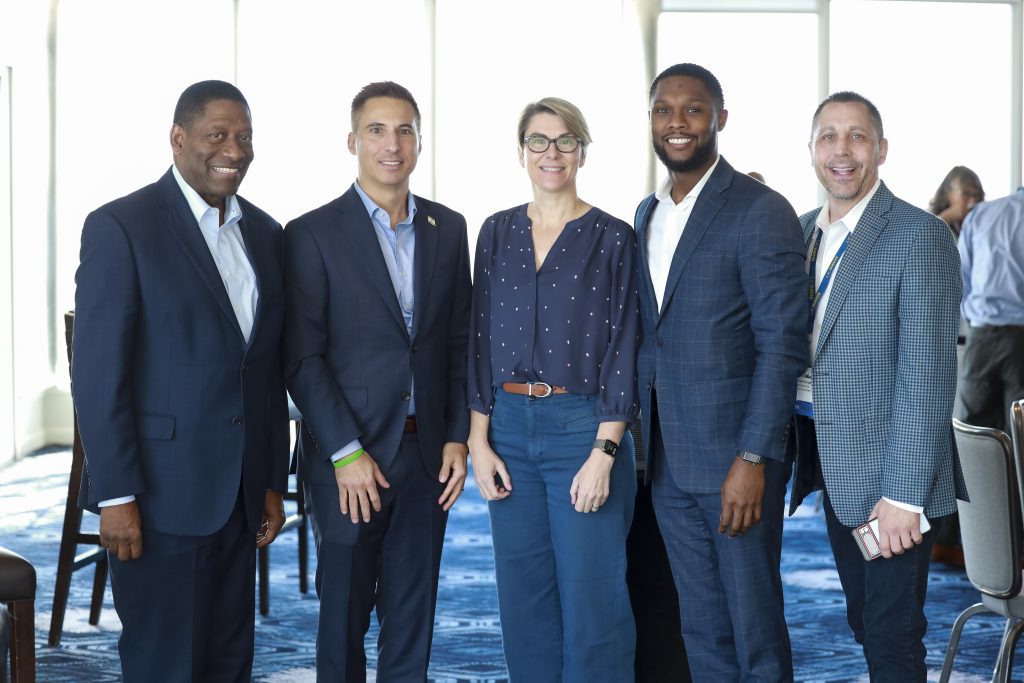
x=991, y=375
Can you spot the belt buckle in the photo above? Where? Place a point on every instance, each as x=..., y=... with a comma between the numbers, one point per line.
x=531, y=385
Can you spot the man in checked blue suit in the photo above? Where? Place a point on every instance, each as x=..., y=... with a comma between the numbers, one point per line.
x=723, y=310
x=874, y=406
x=177, y=380
x=378, y=293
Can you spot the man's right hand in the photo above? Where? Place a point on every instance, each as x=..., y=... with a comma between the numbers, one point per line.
x=121, y=530
x=357, y=487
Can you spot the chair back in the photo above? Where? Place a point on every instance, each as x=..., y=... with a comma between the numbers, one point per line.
x=1017, y=434
x=990, y=524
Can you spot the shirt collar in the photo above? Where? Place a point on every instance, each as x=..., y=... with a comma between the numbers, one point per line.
x=199, y=207
x=372, y=208
x=852, y=216
x=664, y=192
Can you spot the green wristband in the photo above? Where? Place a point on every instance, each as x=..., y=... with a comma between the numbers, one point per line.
x=348, y=459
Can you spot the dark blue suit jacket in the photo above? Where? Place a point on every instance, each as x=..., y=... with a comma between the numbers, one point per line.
x=173, y=405
x=725, y=350
x=349, y=359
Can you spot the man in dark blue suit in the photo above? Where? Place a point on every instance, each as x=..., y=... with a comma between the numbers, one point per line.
x=177, y=380
x=378, y=294
x=723, y=308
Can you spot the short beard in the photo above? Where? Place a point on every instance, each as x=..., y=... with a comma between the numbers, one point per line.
x=702, y=155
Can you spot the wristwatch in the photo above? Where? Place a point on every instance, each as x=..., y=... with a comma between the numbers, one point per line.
x=607, y=446
x=752, y=458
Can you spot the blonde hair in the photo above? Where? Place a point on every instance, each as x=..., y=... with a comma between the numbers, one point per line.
x=570, y=114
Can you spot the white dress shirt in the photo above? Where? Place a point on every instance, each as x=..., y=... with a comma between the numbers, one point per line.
x=666, y=227
x=833, y=236
x=229, y=255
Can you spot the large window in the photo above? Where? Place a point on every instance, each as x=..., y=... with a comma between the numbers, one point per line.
x=121, y=65
x=7, y=445
x=939, y=72
x=300, y=64
x=767, y=65
x=494, y=58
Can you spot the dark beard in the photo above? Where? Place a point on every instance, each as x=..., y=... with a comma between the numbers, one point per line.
x=701, y=156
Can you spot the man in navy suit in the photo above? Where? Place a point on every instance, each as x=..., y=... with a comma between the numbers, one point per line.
x=177, y=381
x=874, y=406
x=723, y=309
x=378, y=293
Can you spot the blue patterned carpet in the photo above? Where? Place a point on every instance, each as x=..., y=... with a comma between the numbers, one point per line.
x=467, y=643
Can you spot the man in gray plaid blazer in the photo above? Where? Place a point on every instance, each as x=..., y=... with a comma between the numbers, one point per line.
x=873, y=409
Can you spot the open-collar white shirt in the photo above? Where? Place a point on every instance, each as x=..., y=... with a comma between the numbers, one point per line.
x=666, y=227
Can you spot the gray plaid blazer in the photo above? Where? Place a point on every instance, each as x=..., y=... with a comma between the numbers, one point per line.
x=884, y=369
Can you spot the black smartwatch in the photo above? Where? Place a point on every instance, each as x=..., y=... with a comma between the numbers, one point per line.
x=607, y=446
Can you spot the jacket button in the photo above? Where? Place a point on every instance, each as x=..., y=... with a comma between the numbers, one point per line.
x=236, y=421
x=415, y=348
x=245, y=367
x=648, y=386
x=658, y=342
x=406, y=395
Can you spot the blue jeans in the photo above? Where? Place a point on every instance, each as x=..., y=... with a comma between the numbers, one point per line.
x=561, y=574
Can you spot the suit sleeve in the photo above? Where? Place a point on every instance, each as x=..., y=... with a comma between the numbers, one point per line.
x=481, y=391
x=325, y=412
x=277, y=401
x=922, y=404
x=771, y=272
x=107, y=306
x=457, y=413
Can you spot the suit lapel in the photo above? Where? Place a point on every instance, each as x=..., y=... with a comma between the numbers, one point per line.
x=862, y=239
x=708, y=203
x=642, y=218
x=259, y=261
x=183, y=225
x=357, y=227
x=427, y=237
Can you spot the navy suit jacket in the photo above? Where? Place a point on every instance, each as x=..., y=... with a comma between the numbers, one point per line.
x=884, y=370
x=724, y=351
x=173, y=405
x=350, y=362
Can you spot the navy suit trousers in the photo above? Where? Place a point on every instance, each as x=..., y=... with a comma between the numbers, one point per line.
x=730, y=589
x=390, y=563
x=187, y=606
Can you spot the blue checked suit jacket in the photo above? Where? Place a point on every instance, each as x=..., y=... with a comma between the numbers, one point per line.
x=725, y=349
x=884, y=370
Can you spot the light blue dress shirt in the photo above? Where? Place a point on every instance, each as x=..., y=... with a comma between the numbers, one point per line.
x=992, y=260
x=398, y=247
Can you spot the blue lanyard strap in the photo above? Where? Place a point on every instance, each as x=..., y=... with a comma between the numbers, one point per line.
x=814, y=294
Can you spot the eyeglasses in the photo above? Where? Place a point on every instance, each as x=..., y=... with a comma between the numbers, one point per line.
x=563, y=143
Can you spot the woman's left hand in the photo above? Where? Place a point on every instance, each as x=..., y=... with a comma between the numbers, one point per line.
x=590, y=486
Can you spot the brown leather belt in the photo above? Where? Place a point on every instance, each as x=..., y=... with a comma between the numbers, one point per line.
x=410, y=424
x=533, y=389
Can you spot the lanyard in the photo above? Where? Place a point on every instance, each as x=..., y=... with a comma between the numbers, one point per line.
x=814, y=294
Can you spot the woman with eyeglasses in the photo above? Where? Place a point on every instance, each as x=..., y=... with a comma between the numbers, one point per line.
x=552, y=386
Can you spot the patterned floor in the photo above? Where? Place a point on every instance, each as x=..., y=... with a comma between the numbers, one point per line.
x=467, y=644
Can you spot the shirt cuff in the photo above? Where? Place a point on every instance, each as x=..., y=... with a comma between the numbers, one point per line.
x=904, y=506
x=346, y=450
x=116, y=501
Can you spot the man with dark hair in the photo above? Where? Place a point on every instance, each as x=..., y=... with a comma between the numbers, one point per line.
x=178, y=385
x=721, y=299
x=378, y=293
x=874, y=403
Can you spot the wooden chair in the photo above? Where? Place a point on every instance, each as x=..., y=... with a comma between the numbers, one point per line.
x=18, y=592
x=71, y=537
x=296, y=521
